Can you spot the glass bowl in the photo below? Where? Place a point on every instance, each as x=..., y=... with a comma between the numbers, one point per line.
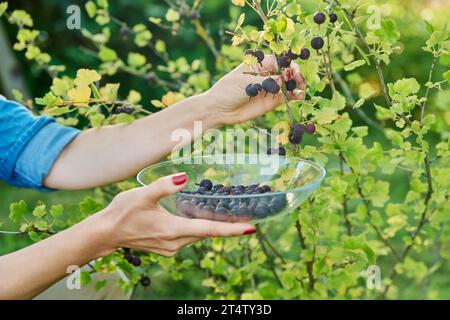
x=291, y=180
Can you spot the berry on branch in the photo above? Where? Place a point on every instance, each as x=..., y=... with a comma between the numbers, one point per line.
x=269, y=85
x=317, y=43
x=251, y=91
x=319, y=18
x=304, y=54
x=291, y=85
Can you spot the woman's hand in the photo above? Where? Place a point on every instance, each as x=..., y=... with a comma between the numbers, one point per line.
x=136, y=220
x=231, y=103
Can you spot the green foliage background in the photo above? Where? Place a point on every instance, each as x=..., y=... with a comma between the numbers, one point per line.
x=241, y=268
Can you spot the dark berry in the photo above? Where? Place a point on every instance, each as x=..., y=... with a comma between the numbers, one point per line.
x=291, y=85
x=151, y=79
x=291, y=55
x=266, y=188
x=257, y=87
x=333, y=17
x=298, y=128
x=201, y=190
x=319, y=17
x=135, y=261
x=310, y=128
x=250, y=91
x=281, y=151
x=270, y=86
x=296, y=134
x=284, y=61
x=249, y=52
x=128, y=257
x=304, y=54
x=243, y=210
x=127, y=110
x=259, y=55
x=261, y=210
x=182, y=14
x=206, y=183
x=221, y=210
x=317, y=43
x=145, y=281
x=124, y=32
x=208, y=208
x=194, y=15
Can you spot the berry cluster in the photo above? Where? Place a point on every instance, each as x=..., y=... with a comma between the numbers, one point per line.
x=298, y=130
x=280, y=151
x=127, y=110
x=240, y=207
x=136, y=261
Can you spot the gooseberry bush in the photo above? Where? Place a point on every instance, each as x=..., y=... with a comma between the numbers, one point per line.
x=350, y=223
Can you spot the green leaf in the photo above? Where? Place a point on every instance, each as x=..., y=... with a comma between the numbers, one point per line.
x=429, y=119
x=136, y=59
x=338, y=101
x=91, y=9
x=446, y=76
x=85, y=277
x=100, y=284
x=406, y=87
x=17, y=210
x=359, y=103
x=3, y=7
x=106, y=54
x=97, y=119
x=34, y=236
x=21, y=18
x=428, y=27
x=60, y=86
x=85, y=77
x=172, y=15
x=354, y=65
x=89, y=206
x=40, y=211
x=56, y=211
x=41, y=225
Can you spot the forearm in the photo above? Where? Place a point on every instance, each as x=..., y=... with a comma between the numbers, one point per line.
x=27, y=272
x=112, y=153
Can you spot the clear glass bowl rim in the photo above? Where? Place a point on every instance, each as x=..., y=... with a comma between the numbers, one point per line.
x=311, y=185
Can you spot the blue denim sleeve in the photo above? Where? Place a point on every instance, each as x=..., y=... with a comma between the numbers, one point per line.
x=29, y=145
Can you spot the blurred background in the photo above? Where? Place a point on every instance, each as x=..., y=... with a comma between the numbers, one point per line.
x=71, y=49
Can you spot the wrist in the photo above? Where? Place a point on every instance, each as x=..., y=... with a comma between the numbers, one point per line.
x=99, y=228
x=206, y=110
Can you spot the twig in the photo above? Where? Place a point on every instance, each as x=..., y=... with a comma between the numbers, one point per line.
x=310, y=263
x=348, y=224
x=270, y=262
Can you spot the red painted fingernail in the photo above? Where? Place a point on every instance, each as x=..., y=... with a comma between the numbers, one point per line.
x=250, y=231
x=179, y=179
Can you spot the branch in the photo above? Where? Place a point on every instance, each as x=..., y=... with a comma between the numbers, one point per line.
x=310, y=263
x=270, y=262
x=348, y=224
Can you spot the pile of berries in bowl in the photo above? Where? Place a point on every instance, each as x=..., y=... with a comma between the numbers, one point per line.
x=236, y=188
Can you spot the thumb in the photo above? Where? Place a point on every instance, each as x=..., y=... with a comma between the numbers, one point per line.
x=165, y=186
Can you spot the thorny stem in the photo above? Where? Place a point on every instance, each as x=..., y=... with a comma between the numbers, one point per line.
x=271, y=246
x=270, y=262
x=348, y=224
x=310, y=263
x=328, y=67
x=260, y=12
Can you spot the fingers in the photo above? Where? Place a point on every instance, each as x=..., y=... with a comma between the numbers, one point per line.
x=206, y=228
x=165, y=186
